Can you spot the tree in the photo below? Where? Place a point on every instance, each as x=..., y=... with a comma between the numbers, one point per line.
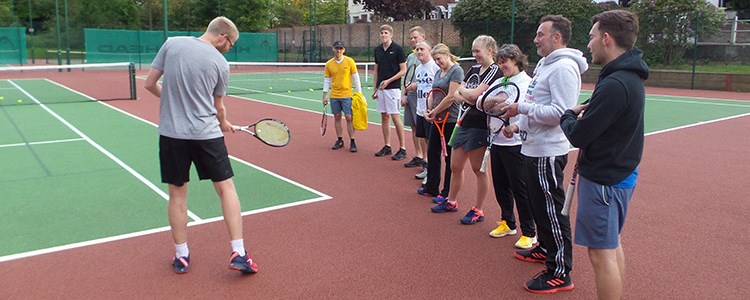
x=668, y=27
x=579, y=12
x=490, y=17
x=332, y=12
x=287, y=13
x=7, y=16
x=398, y=10
x=493, y=17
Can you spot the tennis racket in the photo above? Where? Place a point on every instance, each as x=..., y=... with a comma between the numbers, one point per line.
x=324, y=121
x=491, y=103
x=571, y=188
x=471, y=83
x=434, y=97
x=572, y=185
x=271, y=132
x=409, y=77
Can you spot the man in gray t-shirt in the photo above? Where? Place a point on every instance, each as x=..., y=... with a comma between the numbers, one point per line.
x=194, y=73
x=192, y=122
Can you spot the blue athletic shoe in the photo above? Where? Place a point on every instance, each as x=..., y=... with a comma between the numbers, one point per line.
x=473, y=216
x=423, y=192
x=438, y=199
x=181, y=264
x=445, y=206
x=244, y=264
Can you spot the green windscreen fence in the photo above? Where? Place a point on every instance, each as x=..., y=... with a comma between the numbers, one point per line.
x=140, y=47
x=13, y=45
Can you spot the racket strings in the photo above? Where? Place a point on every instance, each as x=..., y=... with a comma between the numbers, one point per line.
x=272, y=132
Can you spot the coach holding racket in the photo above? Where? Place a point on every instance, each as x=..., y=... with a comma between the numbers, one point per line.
x=610, y=136
x=192, y=122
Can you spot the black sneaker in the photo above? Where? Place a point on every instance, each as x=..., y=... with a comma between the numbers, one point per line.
x=353, y=147
x=414, y=162
x=181, y=264
x=537, y=255
x=338, y=144
x=401, y=154
x=545, y=283
x=386, y=150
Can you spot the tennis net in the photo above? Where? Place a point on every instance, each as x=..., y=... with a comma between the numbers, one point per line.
x=268, y=78
x=100, y=82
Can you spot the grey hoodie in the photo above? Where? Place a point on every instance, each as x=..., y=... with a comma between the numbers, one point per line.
x=555, y=87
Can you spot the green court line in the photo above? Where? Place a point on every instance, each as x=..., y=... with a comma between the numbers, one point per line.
x=93, y=198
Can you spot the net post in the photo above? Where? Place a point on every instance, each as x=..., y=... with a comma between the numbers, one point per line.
x=367, y=72
x=131, y=76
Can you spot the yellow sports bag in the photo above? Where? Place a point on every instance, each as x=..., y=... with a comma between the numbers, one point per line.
x=359, y=111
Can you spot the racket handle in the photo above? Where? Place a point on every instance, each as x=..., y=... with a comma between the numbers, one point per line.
x=236, y=127
x=568, y=199
x=453, y=134
x=442, y=143
x=486, y=157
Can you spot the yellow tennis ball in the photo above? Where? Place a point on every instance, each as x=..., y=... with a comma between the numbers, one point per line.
x=311, y=90
x=289, y=91
x=1, y=97
x=19, y=100
x=270, y=87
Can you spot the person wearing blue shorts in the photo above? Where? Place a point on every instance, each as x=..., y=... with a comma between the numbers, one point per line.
x=608, y=130
x=339, y=78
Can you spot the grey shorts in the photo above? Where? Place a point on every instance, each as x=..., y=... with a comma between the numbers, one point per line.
x=410, y=110
x=469, y=138
x=601, y=214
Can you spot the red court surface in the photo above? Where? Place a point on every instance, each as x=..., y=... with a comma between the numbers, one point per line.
x=376, y=239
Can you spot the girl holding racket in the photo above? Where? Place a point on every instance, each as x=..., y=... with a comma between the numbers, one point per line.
x=447, y=78
x=470, y=142
x=507, y=160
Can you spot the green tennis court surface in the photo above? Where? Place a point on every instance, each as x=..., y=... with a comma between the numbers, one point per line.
x=82, y=171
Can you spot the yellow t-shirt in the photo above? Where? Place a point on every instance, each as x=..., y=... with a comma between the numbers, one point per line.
x=341, y=76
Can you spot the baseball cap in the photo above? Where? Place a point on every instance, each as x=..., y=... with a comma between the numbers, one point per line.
x=338, y=44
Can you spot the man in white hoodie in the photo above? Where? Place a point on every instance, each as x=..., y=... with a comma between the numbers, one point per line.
x=554, y=88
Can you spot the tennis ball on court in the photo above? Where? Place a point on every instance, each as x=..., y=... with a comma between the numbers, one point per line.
x=311, y=90
x=289, y=91
x=19, y=100
x=270, y=87
x=1, y=97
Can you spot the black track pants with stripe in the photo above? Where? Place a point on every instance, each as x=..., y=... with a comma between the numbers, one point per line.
x=546, y=195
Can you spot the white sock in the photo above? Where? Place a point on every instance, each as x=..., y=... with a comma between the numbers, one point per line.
x=181, y=250
x=239, y=246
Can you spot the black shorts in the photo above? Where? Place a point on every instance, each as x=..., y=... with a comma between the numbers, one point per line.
x=422, y=127
x=209, y=156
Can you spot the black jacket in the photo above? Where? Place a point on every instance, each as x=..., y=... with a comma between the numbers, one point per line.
x=610, y=132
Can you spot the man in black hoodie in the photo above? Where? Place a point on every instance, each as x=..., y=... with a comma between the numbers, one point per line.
x=609, y=135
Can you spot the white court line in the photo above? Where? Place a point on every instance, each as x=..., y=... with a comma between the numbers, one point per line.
x=100, y=148
x=146, y=232
x=40, y=143
x=231, y=157
x=696, y=100
x=321, y=197
x=283, y=96
x=746, y=105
